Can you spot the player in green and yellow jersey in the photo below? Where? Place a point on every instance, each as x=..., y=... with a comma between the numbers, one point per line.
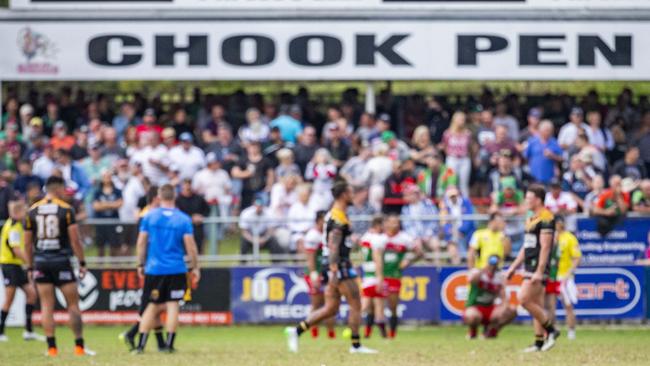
x=373, y=291
x=486, y=285
x=569, y=259
x=12, y=260
x=398, y=245
x=313, y=249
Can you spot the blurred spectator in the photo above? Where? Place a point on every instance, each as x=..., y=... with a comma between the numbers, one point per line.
x=256, y=173
x=532, y=129
x=353, y=169
x=631, y=166
x=256, y=227
x=284, y=195
x=560, y=202
x=74, y=176
x=51, y=116
x=273, y=145
x=360, y=207
x=300, y=216
x=110, y=145
x=44, y=165
x=168, y=137
x=306, y=147
x=25, y=177
x=502, y=144
x=60, y=139
x=255, y=128
x=26, y=114
x=286, y=165
x=107, y=201
x=422, y=146
x=376, y=171
x=543, y=152
x=598, y=135
x=338, y=147
x=181, y=123
x=225, y=148
x=455, y=231
x=397, y=149
x=6, y=195
x=214, y=184
x=456, y=142
x=337, y=124
x=424, y=231
x=508, y=200
x=641, y=198
x=133, y=191
x=591, y=199
x=94, y=165
x=122, y=174
x=367, y=128
x=578, y=178
x=210, y=130
x=289, y=123
x=502, y=118
x=402, y=176
x=435, y=177
x=195, y=206
x=504, y=168
x=149, y=124
x=613, y=204
x=569, y=132
x=13, y=139
x=189, y=158
x=321, y=171
x=80, y=148
x=153, y=158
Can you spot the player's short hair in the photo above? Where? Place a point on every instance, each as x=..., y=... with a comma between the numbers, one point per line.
x=538, y=190
x=151, y=194
x=53, y=182
x=377, y=220
x=495, y=215
x=320, y=215
x=339, y=188
x=15, y=206
x=167, y=192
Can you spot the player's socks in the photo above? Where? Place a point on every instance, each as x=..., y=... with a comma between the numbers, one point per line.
x=331, y=333
x=491, y=332
x=160, y=338
x=302, y=327
x=142, y=342
x=314, y=332
x=539, y=340
x=3, y=320
x=79, y=347
x=393, y=326
x=356, y=341
x=51, y=346
x=472, y=332
x=133, y=331
x=169, y=345
x=29, y=309
x=370, y=321
x=382, y=329
x=548, y=327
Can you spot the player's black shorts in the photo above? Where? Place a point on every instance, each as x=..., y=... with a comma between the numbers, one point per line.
x=14, y=275
x=56, y=273
x=159, y=289
x=346, y=271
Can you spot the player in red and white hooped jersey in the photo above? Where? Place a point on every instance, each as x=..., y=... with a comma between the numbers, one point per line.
x=373, y=295
x=312, y=245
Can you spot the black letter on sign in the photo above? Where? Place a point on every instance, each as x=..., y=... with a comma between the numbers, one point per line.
x=197, y=49
x=468, y=48
x=621, y=55
x=264, y=50
x=332, y=50
x=529, y=50
x=98, y=50
x=366, y=49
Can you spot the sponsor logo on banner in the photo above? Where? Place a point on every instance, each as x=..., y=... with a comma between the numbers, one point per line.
x=623, y=245
x=280, y=294
x=88, y=292
x=38, y=50
x=603, y=292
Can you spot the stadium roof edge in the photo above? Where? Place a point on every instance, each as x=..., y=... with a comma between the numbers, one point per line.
x=326, y=14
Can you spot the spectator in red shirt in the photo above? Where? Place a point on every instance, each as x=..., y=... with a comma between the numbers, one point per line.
x=60, y=139
x=394, y=187
x=149, y=123
x=613, y=204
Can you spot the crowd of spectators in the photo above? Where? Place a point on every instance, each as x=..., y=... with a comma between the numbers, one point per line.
x=278, y=158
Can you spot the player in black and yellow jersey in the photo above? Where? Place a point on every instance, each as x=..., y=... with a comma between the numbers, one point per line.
x=338, y=274
x=535, y=254
x=51, y=240
x=12, y=260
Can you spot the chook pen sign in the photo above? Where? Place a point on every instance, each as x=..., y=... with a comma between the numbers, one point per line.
x=603, y=292
x=324, y=50
x=280, y=294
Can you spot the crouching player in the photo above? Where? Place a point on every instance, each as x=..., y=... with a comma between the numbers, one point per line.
x=486, y=286
x=373, y=295
x=398, y=245
x=313, y=248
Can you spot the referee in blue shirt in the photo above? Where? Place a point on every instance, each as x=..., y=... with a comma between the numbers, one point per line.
x=166, y=236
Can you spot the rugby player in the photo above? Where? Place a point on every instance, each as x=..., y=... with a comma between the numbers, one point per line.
x=552, y=288
x=313, y=248
x=486, y=286
x=373, y=297
x=535, y=255
x=398, y=245
x=338, y=274
x=12, y=259
x=166, y=236
x=51, y=240
x=569, y=259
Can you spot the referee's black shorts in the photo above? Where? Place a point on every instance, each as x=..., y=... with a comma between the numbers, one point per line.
x=159, y=289
x=14, y=275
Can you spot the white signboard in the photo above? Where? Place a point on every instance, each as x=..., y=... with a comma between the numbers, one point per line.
x=325, y=50
x=328, y=4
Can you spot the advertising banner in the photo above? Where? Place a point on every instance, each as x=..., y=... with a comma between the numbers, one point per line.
x=17, y=310
x=324, y=50
x=603, y=293
x=623, y=245
x=112, y=296
x=280, y=294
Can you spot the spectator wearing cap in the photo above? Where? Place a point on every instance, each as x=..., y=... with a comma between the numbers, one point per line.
x=149, y=123
x=76, y=180
x=306, y=147
x=36, y=143
x=454, y=231
x=569, y=132
x=397, y=149
x=61, y=140
x=599, y=136
x=256, y=226
x=34, y=131
x=338, y=147
x=286, y=166
x=153, y=158
x=196, y=207
x=289, y=123
x=106, y=202
x=367, y=128
x=533, y=119
x=457, y=142
x=560, y=202
x=543, y=153
x=321, y=171
x=502, y=118
x=641, y=198
x=631, y=165
x=383, y=123
x=256, y=173
x=424, y=231
x=273, y=145
x=435, y=177
x=126, y=118
x=44, y=164
x=402, y=176
x=25, y=177
x=189, y=158
x=255, y=129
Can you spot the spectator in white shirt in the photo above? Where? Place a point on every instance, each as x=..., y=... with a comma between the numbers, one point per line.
x=214, y=184
x=44, y=165
x=284, y=195
x=322, y=172
x=502, y=118
x=560, y=202
x=569, y=132
x=255, y=128
x=189, y=158
x=598, y=136
x=152, y=156
x=376, y=171
x=301, y=216
x=256, y=222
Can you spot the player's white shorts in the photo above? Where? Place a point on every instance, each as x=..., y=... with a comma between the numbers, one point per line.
x=569, y=291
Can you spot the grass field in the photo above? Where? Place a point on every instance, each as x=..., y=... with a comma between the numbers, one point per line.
x=264, y=345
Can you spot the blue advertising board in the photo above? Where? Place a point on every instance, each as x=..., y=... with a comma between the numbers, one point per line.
x=623, y=245
x=603, y=293
x=280, y=295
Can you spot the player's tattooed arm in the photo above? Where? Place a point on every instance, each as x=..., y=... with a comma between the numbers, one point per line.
x=333, y=243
